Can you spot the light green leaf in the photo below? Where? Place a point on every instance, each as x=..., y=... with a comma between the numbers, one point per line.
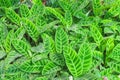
x=50, y=68
x=13, y=16
x=57, y=14
x=8, y=40
x=49, y=44
x=73, y=62
x=35, y=67
x=61, y=39
x=97, y=36
x=31, y=29
x=24, y=10
x=85, y=54
x=21, y=46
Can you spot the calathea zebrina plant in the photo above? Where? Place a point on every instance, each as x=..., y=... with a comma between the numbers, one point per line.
x=59, y=40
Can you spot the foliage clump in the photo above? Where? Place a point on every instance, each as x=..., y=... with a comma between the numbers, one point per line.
x=59, y=39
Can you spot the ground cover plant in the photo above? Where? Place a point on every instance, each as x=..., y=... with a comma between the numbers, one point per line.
x=59, y=40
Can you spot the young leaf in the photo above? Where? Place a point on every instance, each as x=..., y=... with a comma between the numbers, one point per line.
x=13, y=16
x=50, y=68
x=61, y=39
x=85, y=54
x=31, y=29
x=24, y=10
x=73, y=62
x=97, y=36
x=21, y=46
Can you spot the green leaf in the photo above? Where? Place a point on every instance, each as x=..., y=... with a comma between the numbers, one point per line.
x=3, y=32
x=109, y=45
x=31, y=29
x=97, y=7
x=5, y=3
x=64, y=4
x=36, y=10
x=61, y=39
x=50, y=68
x=57, y=58
x=114, y=9
x=49, y=44
x=19, y=33
x=97, y=36
x=115, y=53
x=2, y=54
x=33, y=67
x=41, y=78
x=24, y=10
x=13, y=16
x=73, y=62
x=21, y=46
x=68, y=18
x=8, y=41
x=85, y=54
x=57, y=14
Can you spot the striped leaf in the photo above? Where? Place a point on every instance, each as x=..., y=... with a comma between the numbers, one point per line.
x=31, y=29
x=35, y=67
x=68, y=18
x=61, y=39
x=97, y=7
x=24, y=10
x=97, y=36
x=21, y=46
x=50, y=68
x=8, y=41
x=57, y=58
x=115, y=53
x=85, y=54
x=73, y=62
x=13, y=16
x=57, y=14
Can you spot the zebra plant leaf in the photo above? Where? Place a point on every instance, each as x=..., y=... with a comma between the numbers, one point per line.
x=73, y=62
x=115, y=53
x=85, y=54
x=97, y=7
x=61, y=39
x=8, y=41
x=33, y=67
x=50, y=67
x=97, y=36
x=21, y=46
x=24, y=10
x=49, y=44
x=57, y=14
x=31, y=29
x=13, y=16
x=68, y=18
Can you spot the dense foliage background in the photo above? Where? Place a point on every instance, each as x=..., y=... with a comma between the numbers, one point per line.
x=59, y=40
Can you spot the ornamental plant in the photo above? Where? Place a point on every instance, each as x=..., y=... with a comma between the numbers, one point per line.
x=59, y=39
